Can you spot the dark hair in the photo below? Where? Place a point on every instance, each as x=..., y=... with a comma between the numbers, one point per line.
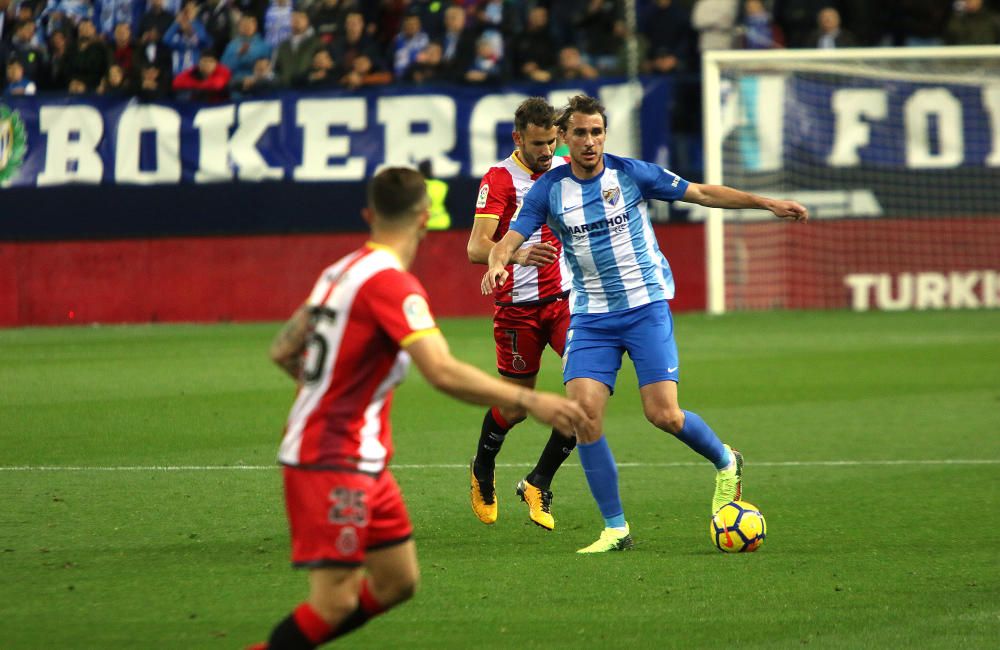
x=397, y=192
x=583, y=104
x=534, y=110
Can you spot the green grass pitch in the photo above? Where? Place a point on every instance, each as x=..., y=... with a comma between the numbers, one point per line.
x=872, y=444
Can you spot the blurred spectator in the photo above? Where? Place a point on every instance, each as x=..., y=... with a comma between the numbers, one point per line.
x=429, y=67
x=7, y=19
x=410, y=41
x=122, y=48
x=797, y=19
x=17, y=83
x=217, y=18
x=57, y=21
x=758, y=30
x=24, y=49
x=295, y=54
x=327, y=17
x=77, y=86
x=384, y=22
x=830, y=35
x=207, y=81
x=562, y=17
x=278, y=22
x=109, y=13
x=364, y=73
x=668, y=31
x=715, y=21
x=922, y=22
x=458, y=43
x=868, y=21
x=255, y=8
x=534, y=56
x=154, y=83
x=58, y=64
x=497, y=22
x=261, y=82
x=486, y=66
x=572, y=66
x=431, y=13
x=74, y=10
x=356, y=43
x=601, y=30
x=26, y=10
x=322, y=72
x=187, y=37
x=973, y=24
x=89, y=57
x=151, y=51
x=115, y=83
x=468, y=41
x=242, y=53
x=156, y=16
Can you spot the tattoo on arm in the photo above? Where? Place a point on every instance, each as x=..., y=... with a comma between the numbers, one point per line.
x=288, y=344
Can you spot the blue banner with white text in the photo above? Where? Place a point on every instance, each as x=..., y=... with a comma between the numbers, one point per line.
x=92, y=166
x=318, y=137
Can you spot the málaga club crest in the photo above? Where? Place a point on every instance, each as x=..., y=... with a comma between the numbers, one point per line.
x=13, y=142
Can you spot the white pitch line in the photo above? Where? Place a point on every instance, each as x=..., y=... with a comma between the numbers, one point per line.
x=218, y=468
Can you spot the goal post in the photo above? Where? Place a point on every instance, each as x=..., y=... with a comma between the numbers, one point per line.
x=896, y=153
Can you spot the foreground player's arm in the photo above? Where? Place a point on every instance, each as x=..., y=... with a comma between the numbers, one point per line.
x=460, y=380
x=290, y=342
x=481, y=244
x=528, y=218
x=721, y=196
x=498, y=260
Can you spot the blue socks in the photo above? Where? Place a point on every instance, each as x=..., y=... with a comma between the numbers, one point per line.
x=699, y=436
x=602, y=473
x=602, y=477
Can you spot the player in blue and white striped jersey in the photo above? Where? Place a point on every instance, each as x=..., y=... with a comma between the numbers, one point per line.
x=621, y=285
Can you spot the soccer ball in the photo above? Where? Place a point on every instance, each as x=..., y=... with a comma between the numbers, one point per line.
x=738, y=527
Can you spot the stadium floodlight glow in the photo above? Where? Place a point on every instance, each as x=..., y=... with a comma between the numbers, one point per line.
x=895, y=151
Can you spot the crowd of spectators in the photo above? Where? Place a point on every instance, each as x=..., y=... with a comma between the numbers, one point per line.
x=212, y=50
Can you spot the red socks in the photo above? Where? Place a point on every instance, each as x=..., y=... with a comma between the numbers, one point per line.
x=312, y=624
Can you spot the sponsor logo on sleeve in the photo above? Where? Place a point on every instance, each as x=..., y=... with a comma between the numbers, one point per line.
x=484, y=192
x=677, y=179
x=417, y=312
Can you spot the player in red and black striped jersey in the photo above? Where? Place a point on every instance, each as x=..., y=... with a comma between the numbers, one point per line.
x=532, y=310
x=347, y=348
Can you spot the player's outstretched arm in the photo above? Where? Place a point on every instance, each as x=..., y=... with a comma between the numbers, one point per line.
x=721, y=196
x=469, y=384
x=481, y=244
x=499, y=258
x=289, y=343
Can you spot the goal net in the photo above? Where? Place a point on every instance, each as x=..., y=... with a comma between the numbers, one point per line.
x=896, y=153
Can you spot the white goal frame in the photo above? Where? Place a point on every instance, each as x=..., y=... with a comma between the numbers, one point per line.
x=712, y=63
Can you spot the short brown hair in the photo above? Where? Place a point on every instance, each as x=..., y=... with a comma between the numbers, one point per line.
x=583, y=104
x=397, y=192
x=534, y=110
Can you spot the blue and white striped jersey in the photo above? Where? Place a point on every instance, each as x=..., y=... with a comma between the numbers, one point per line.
x=605, y=231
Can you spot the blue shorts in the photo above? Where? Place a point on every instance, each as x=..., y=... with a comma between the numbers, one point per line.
x=595, y=343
